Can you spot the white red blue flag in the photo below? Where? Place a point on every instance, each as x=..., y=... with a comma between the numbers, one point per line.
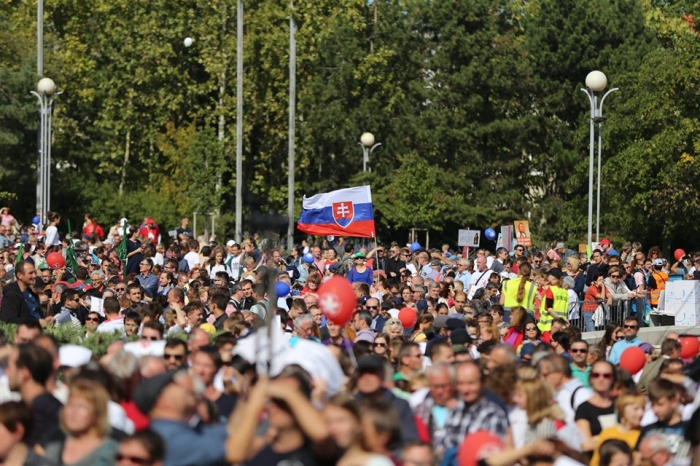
x=345, y=212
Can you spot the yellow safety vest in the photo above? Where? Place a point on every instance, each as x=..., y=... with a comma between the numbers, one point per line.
x=510, y=294
x=560, y=306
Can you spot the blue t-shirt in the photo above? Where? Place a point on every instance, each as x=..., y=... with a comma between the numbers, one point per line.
x=440, y=416
x=32, y=304
x=365, y=277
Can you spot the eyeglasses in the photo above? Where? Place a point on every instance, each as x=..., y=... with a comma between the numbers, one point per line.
x=92, y=319
x=619, y=337
x=614, y=276
x=120, y=289
x=133, y=459
x=605, y=375
x=577, y=350
x=629, y=326
x=530, y=329
x=177, y=357
x=537, y=262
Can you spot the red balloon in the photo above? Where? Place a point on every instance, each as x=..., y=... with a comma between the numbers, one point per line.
x=337, y=300
x=633, y=359
x=690, y=346
x=678, y=253
x=55, y=260
x=408, y=317
x=478, y=446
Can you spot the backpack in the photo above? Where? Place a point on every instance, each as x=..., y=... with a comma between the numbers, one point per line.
x=651, y=282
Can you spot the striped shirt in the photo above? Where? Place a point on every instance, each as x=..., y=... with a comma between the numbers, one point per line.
x=465, y=419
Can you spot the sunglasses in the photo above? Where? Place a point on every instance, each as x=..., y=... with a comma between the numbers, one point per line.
x=530, y=329
x=92, y=319
x=372, y=307
x=120, y=289
x=614, y=276
x=605, y=375
x=133, y=459
x=619, y=337
x=177, y=357
x=381, y=345
x=583, y=351
x=629, y=326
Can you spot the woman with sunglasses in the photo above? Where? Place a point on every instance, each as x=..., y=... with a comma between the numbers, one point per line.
x=598, y=412
x=613, y=334
x=381, y=346
x=630, y=409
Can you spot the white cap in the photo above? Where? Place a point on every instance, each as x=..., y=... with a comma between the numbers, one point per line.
x=230, y=243
x=394, y=313
x=74, y=355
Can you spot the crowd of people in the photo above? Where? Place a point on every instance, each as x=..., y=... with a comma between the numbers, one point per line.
x=447, y=357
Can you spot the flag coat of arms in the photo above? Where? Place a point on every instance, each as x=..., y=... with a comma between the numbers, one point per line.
x=345, y=212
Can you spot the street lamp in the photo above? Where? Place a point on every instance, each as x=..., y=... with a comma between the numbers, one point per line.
x=368, y=145
x=45, y=93
x=596, y=81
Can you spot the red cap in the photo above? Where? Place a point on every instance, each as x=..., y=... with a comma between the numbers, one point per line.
x=477, y=446
x=605, y=242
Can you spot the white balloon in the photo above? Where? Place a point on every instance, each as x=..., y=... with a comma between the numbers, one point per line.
x=188, y=41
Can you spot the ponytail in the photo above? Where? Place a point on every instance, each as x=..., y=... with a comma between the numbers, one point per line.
x=524, y=270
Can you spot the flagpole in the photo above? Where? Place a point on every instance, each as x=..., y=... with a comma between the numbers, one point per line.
x=376, y=251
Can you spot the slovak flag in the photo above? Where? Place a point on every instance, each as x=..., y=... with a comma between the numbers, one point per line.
x=345, y=212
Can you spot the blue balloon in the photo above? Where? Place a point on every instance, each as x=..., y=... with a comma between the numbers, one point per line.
x=490, y=234
x=36, y=220
x=282, y=289
x=309, y=258
x=415, y=246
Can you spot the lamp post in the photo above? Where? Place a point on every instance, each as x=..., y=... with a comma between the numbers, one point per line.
x=368, y=146
x=239, y=121
x=596, y=81
x=45, y=93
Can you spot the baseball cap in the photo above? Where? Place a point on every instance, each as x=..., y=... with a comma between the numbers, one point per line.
x=647, y=348
x=230, y=243
x=453, y=323
x=370, y=363
x=478, y=446
x=460, y=336
x=147, y=392
x=658, y=262
x=612, y=252
x=440, y=322
x=435, y=263
x=358, y=255
x=555, y=272
x=605, y=242
x=560, y=246
x=528, y=349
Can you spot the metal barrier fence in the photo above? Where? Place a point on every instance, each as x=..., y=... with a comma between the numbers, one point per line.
x=620, y=309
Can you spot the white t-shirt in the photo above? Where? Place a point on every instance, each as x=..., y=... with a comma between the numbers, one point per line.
x=52, y=236
x=110, y=326
x=478, y=280
x=192, y=259
x=233, y=264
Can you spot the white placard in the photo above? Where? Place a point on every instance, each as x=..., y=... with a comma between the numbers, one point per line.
x=146, y=348
x=469, y=238
x=96, y=305
x=682, y=299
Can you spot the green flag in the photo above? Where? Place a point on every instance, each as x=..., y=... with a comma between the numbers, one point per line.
x=121, y=250
x=71, y=263
x=20, y=253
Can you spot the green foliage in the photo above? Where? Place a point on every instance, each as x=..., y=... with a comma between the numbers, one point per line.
x=67, y=334
x=477, y=106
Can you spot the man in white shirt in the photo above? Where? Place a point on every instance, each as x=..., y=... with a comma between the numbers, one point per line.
x=192, y=257
x=233, y=260
x=114, y=321
x=480, y=277
x=569, y=391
